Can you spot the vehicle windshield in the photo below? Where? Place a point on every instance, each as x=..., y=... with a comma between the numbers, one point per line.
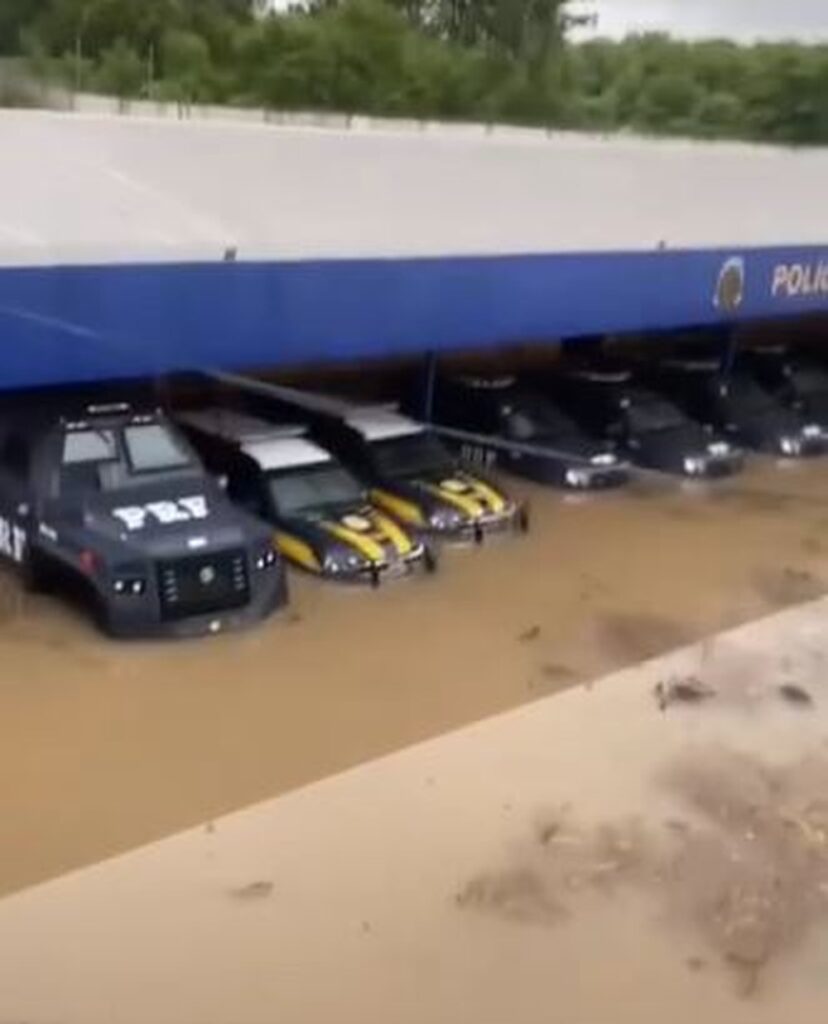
x=811, y=383
x=749, y=398
x=649, y=414
x=85, y=446
x=533, y=417
x=117, y=458
x=412, y=455
x=310, y=489
x=153, y=448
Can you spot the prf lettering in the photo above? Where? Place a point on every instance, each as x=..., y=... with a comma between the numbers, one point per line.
x=792, y=280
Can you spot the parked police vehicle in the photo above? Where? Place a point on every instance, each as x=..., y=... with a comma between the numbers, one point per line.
x=649, y=428
x=498, y=422
x=797, y=380
x=408, y=470
x=741, y=407
x=324, y=520
x=115, y=505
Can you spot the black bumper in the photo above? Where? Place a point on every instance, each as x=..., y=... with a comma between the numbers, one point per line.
x=516, y=520
x=129, y=618
x=377, y=574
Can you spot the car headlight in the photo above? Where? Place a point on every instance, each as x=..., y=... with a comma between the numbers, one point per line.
x=445, y=519
x=578, y=477
x=719, y=448
x=129, y=586
x=607, y=459
x=812, y=430
x=266, y=560
x=341, y=560
x=694, y=466
x=791, y=445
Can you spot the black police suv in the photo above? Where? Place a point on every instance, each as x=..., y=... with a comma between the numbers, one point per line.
x=741, y=407
x=650, y=429
x=325, y=522
x=499, y=422
x=115, y=504
x=799, y=381
x=409, y=472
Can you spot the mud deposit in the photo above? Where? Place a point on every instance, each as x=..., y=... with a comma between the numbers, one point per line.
x=107, y=746
x=745, y=868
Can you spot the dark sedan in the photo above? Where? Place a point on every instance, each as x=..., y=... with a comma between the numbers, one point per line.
x=497, y=422
x=654, y=432
x=743, y=408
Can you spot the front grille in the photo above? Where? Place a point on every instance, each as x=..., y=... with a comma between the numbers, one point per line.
x=203, y=584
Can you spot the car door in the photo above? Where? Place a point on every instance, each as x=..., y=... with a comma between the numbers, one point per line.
x=17, y=511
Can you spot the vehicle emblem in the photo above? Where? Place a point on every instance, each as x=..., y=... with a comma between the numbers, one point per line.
x=454, y=486
x=357, y=523
x=206, y=575
x=730, y=287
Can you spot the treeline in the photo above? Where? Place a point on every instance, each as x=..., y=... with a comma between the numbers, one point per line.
x=489, y=60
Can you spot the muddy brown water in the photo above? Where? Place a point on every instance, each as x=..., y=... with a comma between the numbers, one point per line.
x=108, y=746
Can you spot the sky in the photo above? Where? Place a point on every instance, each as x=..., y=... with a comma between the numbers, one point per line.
x=739, y=19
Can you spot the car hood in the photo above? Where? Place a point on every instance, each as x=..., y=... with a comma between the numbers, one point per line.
x=772, y=424
x=364, y=530
x=193, y=515
x=816, y=408
x=688, y=439
x=573, y=446
x=474, y=497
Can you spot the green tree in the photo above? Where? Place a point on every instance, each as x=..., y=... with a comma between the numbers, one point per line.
x=186, y=65
x=667, y=102
x=121, y=72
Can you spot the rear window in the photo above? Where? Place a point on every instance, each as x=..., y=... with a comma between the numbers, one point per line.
x=83, y=446
x=153, y=448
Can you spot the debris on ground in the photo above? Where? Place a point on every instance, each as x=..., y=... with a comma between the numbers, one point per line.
x=793, y=694
x=520, y=895
x=254, y=891
x=684, y=690
x=746, y=875
x=530, y=635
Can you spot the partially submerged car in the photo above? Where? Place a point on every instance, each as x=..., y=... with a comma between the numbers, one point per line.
x=652, y=431
x=497, y=422
x=115, y=505
x=741, y=407
x=799, y=381
x=324, y=521
x=408, y=470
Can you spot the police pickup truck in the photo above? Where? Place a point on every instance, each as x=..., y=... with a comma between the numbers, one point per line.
x=324, y=521
x=115, y=506
x=407, y=470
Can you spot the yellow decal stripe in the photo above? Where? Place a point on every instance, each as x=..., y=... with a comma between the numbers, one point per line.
x=298, y=551
x=466, y=503
x=496, y=501
x=405, y=510
x=399, y=538
x=360, y=541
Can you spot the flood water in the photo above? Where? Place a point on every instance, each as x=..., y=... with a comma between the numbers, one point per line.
x=107, y=746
